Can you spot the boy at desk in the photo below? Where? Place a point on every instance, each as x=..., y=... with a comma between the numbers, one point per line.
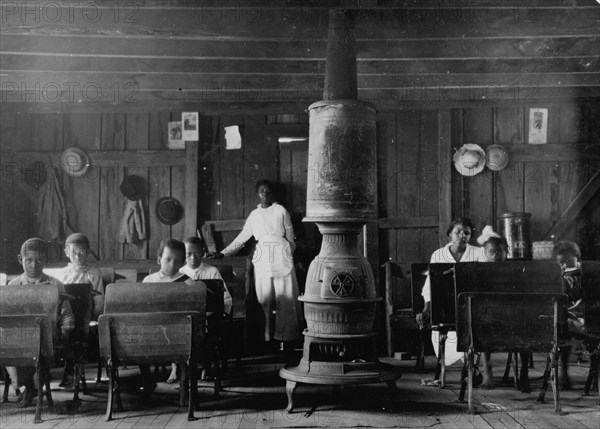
x=77, y=247
x=196, y=269
x=495, y=249
x=171, y=257
x=33, y=258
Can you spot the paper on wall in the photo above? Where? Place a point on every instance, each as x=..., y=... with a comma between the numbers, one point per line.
x=538, y=126
x=233, y=139
x=190, y=126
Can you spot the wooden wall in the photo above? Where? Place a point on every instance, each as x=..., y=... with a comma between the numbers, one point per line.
x=118, y=144
x=135, y=143
x=540, y=179
x=415, y=173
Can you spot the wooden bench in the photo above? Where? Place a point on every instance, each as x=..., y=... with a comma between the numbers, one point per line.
x=153, y=323
x=28, y=327
x=503, y=322
x=590, y=276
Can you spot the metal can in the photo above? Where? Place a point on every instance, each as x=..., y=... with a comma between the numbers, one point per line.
x=515, y=227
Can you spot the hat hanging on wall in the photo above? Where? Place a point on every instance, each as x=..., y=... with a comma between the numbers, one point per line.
x=496, y=157
x=469, y=159
x=169, y=211
x=132, y=187
x=74, y=161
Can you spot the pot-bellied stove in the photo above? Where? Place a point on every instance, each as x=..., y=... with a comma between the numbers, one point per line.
x=340, y=295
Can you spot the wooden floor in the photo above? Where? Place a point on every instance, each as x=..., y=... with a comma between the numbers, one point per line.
x=254, y=397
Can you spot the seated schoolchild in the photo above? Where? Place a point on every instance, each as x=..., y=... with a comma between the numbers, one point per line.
x=495, y=249
x=170, y=257
x=197, y=269
x=33, y=258
x=77, y=247
x=567, y=255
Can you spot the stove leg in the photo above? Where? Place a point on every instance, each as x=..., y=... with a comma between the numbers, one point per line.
x=290, y=388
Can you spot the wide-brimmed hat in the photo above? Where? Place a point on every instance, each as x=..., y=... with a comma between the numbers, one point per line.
x=496, y=157
x=469, y=159
x=168, y=210
x=132, y=187
x=74, y=161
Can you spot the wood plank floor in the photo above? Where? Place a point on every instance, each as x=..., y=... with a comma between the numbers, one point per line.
x=254, y=397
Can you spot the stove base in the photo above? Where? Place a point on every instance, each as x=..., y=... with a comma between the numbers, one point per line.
x=376, y=373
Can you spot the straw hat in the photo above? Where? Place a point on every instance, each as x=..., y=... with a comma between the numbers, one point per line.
x=496, y=158
x=74, y=161
x=469, y=159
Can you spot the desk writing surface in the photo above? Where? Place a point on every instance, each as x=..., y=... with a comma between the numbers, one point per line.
x=509, y=276
x=155, y=297
x=590, y=278
x=441, y=278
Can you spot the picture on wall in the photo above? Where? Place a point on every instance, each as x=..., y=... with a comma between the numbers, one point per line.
x=538, y=126
x=190, y=126
x=175, y=136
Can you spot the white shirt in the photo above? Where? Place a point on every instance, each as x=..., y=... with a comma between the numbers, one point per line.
x=443, y=255
x=272, y=228
x=208, y=272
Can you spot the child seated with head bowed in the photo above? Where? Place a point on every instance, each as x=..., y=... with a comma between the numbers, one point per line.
x=196, y=269
x=567, y=255
x=77, y=249
x=171, y=257
x=33, y=257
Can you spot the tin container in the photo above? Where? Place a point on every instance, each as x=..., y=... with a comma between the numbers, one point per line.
x=515, y=227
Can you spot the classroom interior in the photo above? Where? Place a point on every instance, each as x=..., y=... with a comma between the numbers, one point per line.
x=113, y=83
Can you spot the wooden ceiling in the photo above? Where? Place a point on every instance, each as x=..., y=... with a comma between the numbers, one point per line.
x=215, y=56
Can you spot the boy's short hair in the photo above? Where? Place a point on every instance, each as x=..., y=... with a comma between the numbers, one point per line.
x=172, y=244
x=194, y=240
x=566, y=248
x=34, y=245
x=78, y=239
x=498, y=241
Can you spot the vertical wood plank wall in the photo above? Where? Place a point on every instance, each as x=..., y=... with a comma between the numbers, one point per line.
x=408, y=174
x=94, y=201
x=543, y=187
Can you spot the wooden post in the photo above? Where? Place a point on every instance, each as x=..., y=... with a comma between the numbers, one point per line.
x=444, y=174
x=191, y=189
